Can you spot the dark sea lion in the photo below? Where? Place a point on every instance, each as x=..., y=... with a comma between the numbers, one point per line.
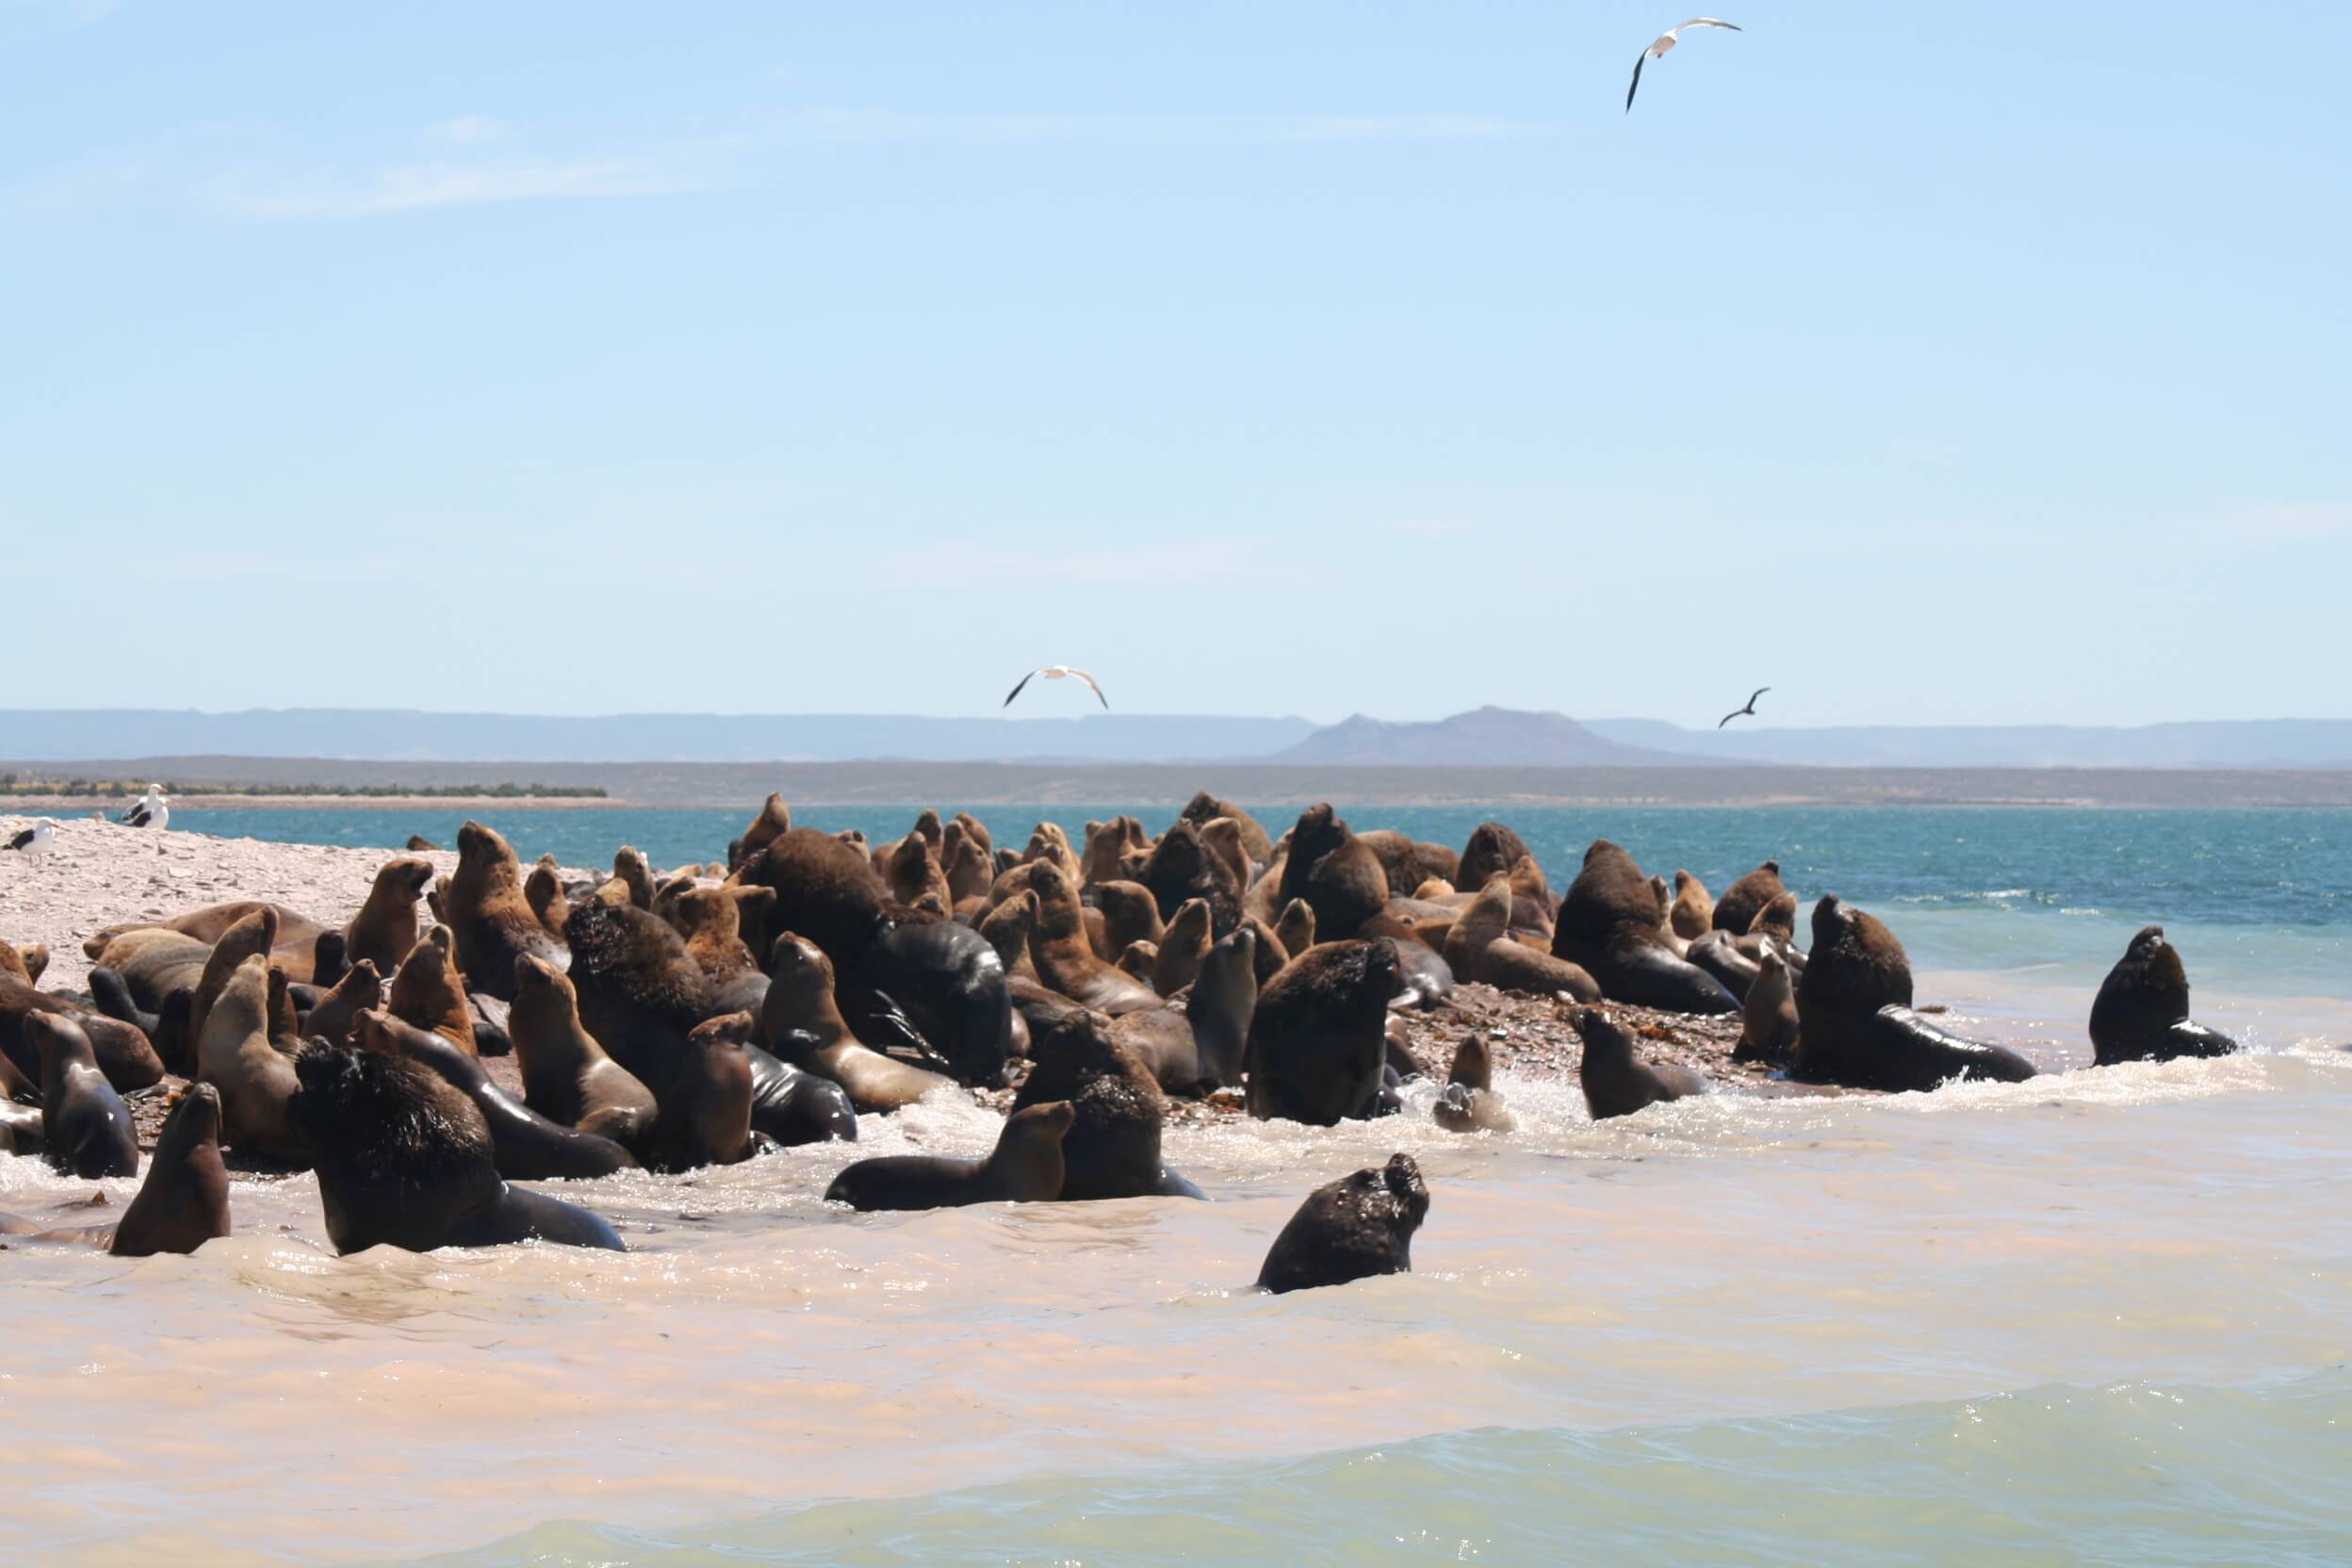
x=527, y=1147
x=2141, y=1011
x=772, y=821
x=1182, y=867
x=1139, y=961
x=637, y=992
x=1204, y=807
x=1184, y=947
x=1718, y=954
x=1429, y=978
x=566, y=1075
x=792, y=1106
x=945, y=982
x=427, y=992
x=1111, y=1149
x=1162, y=1039
x=1341, y=880
x=824, y=890
x=1058, y=951
x=235, y=1055
x=1270, y=955
x=543, y=889
x=86, y=1129
x=1854, y=1017
x=418, y=841
x=1617, y=1083
x=123, y=1051
x=705, y=1117
x=490, y=916
x=404, y=1159
x=184, y=1203
x=1693, y=915
x=1400, y=859
x=334, y=1013
x=1219, y=1007
x=1353, y=1229
x=1609, y=926
x=802, y=1023
x=1767, y=1014
x=1744, y=898
x=154, y=963
x=1776, y=919
x=1295, y=929
x=1024, y=1167
x=1319, y=1037
x=1130, y=913
x=1470, y=1104
x=1491, y=848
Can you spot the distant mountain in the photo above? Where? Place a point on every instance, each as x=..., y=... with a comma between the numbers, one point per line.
x=408, y=736
x=1488, y=737
x=2207, y=744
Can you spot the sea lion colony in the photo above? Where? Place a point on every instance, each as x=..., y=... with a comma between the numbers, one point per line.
x=773, y=998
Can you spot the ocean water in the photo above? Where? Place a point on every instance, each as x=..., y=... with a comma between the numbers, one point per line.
x=2104, y=1316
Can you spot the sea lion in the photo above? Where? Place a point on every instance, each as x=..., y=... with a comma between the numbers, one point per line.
x=1296, y=929
x=332, y=1017
x=2142, y=1010
x=1479, y=947
x=824, y=890
x=1223, y=998
x=941, y=986
x=153, y=962
x=1183, y=946
x=404, y=1159
x=1741, y=901
x=566, y=1075
x=489, y=915
x=86, y=1129
x=1400, y=858
x=1693, y=915
x=1352, y=1229
x=709, y=921
x=1139, y=961
x=23, y=961
x=1130, y=913
x=1609, y=926
x=1006, y=929
x=1106, y=847
x=637, y=993
x=418, y=841
x=1162, y=1039
x=1470, y=1104
x=1111, y=1149
x=706, y=1105
x=1182, y=867
x=1221, y=837
x=789, y=1106
x=526, y=1147
x=801, y=1023
x=1270, y=954
x=1719, y=956
x=1024, y=1167
x=543, y=889
x=386, y=926
x=1767, y=1014
x=1058, y=951
x=773, y=820
x=1318, y=1036
x=427, y=992
x=184, y=1203
x=1854, y=1019
x=1341, y=880
x=1204, y=807
x=1776, y=919
x=1429, y=978
x=967, y=866
x=255, y=1079
x=1617, y=1083
x=249, y=935
x=1491, y=848
x=121, y=1050
x=915, y=870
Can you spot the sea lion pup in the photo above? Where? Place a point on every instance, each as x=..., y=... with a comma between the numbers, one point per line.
x=332, y=1016
x=1058, y=951
x=1479, y=947
x=1138, y=959
x=25, y=963
x=1693, y=912
x=1353, y=1229
x=426, y=991
x=489, y=916
x=1269, y=954
x=915, y=870
x=2141, y=1011
x=1609, y=926
x=1341, y=880
x=1616, y=1083
x=1319, y=1037
x=801, y=1023
x=1777, y=920
x=705, y=1106
x=1129, y=914
x=965, y=864
x=770, y=821
x=404, y=1159
x=1742, y=900
x=1111, y=1149
x=184, y=1203
x=1470, y=1104
x=418, y=843
x=1219, y=1008
x=632, y=870
x=1024, y=1167
x=1717, y=953
x=1854, y=1019
x=1006, y=929
x=710, y=921
x=1181, y=867
x=1491, y=848
x=86, y=1129
x=567, y=1076
x=1296, y=929
x=386, y=926
x=255, y=1079
x=543, y=889
x=1768, y=1016
x=121, y=1050
x=527, y=1146
x=1204, y=809
x=1184, y=947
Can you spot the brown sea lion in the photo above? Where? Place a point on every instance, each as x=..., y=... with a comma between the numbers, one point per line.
x=566, y=1075
x=1400, y=859
x=404, y=1159
x=333, y=1016
x=633, y=870
x=802, y=1023
x=1491, y=848
x=1111, y=1149
x=1353, y=1229
x=1180, y=866
x=1129, y=914
x=24, y=962
x=772, y=821
x=1767, y=1014
x=1741, y=901
x=184, y=1203
x=121, y=1050
x=1269, y=954
x=490, y=916
x=1693, y=915
x=1479, y=947
x=915, y=870
x=1007, y=928
x=86, y=1129
x=1717, y=953
x=419, y=843
x=427, y=992
x=255, y=1079
x=1296, y=929
x=2141, y=1011
x=1615, y=1081
x=1318, y=1038
x=1058, y=951
x=1138, y=959
x=1024, y=1167
x=1183, y=946
x=965, y=864
x=705, y=1117
x=1223, y=999
x=1341, y=880
x=526, y=1146
x=1204, y=807
x=1609, y=926
x=1854, y=1017
x=710, y=921
x=386, y=926
x=249, y=935
x=1470, y=1104
x=1776, y=919
x=824, y=890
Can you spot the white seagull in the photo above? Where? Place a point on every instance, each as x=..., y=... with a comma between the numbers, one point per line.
x=153, y=811
x=1666, y=40
x=33, y=840
x=1061, y=672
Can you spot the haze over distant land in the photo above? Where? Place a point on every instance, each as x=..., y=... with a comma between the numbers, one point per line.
x=1486, y=737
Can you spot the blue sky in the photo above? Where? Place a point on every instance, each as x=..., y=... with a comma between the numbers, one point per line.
x=1927, y=363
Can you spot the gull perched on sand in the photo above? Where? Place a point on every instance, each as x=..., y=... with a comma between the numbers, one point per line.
x=1666, y=40
x=1061, y=672
x=153, y=811
x=33, y=840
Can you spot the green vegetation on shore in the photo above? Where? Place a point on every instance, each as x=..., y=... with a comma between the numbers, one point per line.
x=117, y=788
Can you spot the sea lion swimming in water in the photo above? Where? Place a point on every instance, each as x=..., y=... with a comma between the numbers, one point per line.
x=2141, y=1011
x=1319, y=1037
x=1854, y=1017
x=1617, y=1083
x=1353, y=1229
x=1024, y=1167
x=1111, y=1149
x=86, y=1129
x=1469, y=1104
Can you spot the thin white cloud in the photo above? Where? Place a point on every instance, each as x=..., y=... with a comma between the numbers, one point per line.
x=2283, y=522
x=416, y=186
x=466, y=130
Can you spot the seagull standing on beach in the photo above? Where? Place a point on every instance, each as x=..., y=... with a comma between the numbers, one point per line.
x=1747, y=712
x=153, y=811
x=33, y=840
x=1062, y=672
x=1666, y=40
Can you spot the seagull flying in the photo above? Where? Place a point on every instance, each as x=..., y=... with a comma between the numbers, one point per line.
x=1666, y=40
x=151, y=811
x=33, y=840
x=1747, y=712
x=1061, y=672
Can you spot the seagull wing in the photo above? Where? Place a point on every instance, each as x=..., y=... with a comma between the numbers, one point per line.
x=138, y=816
x=22, y=838
x=1728, y=717
x=1759, y=692
x=1710, y=22
x=1096, y=687
x=1638, y=61
x=1024, y=680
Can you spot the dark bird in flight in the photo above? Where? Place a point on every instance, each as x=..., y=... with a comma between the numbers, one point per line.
x=1061, y=672
x=1666, y=40
x=1747, y=712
